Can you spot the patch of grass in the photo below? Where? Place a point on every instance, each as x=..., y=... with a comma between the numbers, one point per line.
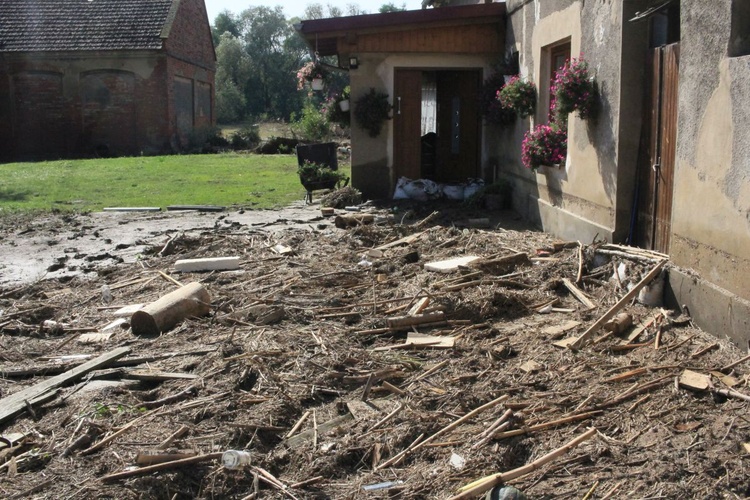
x=230, y=179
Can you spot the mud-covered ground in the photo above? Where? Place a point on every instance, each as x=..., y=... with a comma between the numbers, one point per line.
x=298, y=363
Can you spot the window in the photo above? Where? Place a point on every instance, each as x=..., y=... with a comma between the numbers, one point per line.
x=553, y=58
x=739, y=39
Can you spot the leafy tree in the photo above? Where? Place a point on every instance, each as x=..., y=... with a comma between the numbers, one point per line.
x=225, y=22
x=233, y=70
x=391, y=7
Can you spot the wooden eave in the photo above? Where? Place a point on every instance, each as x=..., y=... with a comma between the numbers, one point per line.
x=461, y=29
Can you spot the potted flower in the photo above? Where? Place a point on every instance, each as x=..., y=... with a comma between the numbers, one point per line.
x=312, y=72
x=574, y=89
x=544, y=145
x=371, y=110
x=518, y=95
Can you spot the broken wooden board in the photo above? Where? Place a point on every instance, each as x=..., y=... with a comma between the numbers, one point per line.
x=127, y=311
x=94, y=338
x=154, y=375
x=557, y=331
x=531, y=366
x=282, y=249
x=640, y=328
x=17, y=402
x=578, y=294
x=207, y=264
x=420, y=341
x=450, y=265
x=370, y=409
x=694, y=381
x=323, y=429
x=406, y=240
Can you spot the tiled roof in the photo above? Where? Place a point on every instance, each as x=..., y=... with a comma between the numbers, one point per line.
x=63, y=25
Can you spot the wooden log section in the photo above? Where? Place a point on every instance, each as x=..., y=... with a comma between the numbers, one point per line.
x=163, y=314
x=419, y=319
x=345, y=221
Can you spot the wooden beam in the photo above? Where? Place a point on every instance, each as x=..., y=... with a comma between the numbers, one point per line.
x=619, y=305
x=16, y=403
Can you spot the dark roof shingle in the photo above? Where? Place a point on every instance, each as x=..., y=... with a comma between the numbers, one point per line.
x=70, y=25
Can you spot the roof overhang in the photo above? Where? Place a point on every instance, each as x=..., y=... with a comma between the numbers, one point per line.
x=323, y=35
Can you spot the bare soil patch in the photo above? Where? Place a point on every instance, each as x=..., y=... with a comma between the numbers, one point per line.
x=302, y=336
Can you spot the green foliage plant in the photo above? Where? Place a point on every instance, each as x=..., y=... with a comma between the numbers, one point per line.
x=371, y=110
x=311, y=173
x=518, y=95
x=246, y=137
x=492, y=109
x=332, y=109
x=312, y=125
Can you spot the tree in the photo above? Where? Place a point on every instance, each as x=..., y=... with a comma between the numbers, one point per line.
x=225, y=22
x=233, y=70
x=391, y=7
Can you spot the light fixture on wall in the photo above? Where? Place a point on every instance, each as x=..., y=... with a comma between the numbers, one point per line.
x=353, y=62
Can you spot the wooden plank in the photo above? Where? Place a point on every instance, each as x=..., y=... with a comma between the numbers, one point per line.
x=154, y=375
x=15, y=403
x=450, y=265
x=207, y=264
x=322, y=429
x=578, y=294
x=619, y=305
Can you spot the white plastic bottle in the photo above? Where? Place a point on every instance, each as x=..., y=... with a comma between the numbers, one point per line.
x=235, y=459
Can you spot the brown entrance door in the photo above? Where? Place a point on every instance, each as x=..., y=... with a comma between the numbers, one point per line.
x=657, y=158
x=458, y=130
x=407, y=104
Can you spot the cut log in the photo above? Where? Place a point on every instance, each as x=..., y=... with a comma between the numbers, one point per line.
x=163, y=314
x=16, y=403
x=345, y=221
x=619, y=305
x=207, y=264
x=619, y=324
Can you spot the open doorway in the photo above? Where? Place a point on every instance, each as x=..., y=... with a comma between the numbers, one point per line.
x=437, y=130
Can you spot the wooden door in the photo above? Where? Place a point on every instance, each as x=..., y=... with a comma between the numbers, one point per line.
x=458, y=131
x=657, y=158
x=407, y=116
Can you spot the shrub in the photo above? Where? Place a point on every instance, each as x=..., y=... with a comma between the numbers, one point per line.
x=492, y=109
x=245, y=138
x=316, y=173
x=312, y=126
x=518, y=95
x=544, y=145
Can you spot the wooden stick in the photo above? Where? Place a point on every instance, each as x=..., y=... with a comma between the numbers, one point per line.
x=578, y=294
x=547, y=425
x=419, y=319
x=298, y=424
x=114, y=436
x=579, y=276
x=447, y=429
x=306, y=482
x=619, y=305
x=368, y=386
x=396, y=459
x=387, y=418
x=171, y=439
x=164, y=466
x=703, y=351
x=732, y=365
x=169, y=278
x=487, y=483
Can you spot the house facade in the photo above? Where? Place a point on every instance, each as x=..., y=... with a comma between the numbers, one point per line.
x=83, y=78
x=664, y=162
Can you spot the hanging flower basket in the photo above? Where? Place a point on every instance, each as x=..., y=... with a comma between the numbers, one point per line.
x=544, y=145
x=312, y=72
x=519, y=96
x=491, y=108
x=574, y=89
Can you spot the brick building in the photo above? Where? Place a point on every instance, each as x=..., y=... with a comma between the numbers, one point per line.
x=103, y=77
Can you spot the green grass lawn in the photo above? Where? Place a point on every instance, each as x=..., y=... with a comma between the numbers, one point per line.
x=238, y=180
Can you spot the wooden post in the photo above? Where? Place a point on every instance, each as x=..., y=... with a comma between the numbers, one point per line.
x=161, y=315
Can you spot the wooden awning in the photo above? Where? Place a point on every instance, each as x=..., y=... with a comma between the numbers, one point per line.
x=466, y=29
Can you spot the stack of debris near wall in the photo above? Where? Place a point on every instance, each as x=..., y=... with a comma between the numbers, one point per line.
x=427, y=360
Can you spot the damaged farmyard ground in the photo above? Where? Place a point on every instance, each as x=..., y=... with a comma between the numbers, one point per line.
x=346, y=368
